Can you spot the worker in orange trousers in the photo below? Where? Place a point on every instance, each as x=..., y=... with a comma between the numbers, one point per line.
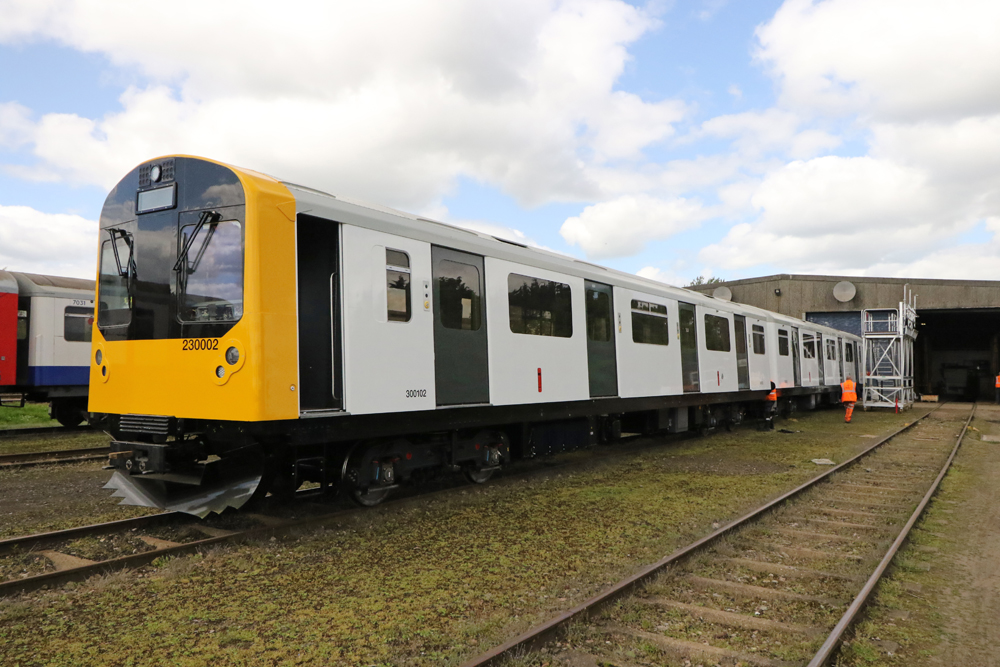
x=848, y=396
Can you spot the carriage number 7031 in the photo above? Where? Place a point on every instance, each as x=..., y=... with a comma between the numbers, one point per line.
x=200, y=344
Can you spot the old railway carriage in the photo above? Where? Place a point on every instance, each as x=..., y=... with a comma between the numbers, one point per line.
x=45, y=328
x=253, y=334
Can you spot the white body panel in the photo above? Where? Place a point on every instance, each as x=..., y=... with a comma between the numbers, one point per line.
x=760, y=364
x=810, y=367
x=516, y=358
x=47, y=345
x=643, y=369
x=783, y=369
x=384, y=360
x=718, y=369
x=831, y=370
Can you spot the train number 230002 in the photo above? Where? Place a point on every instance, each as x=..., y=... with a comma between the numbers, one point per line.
x=201, y=344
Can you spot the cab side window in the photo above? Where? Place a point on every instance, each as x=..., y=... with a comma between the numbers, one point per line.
x=758, y=339
x=397, y=273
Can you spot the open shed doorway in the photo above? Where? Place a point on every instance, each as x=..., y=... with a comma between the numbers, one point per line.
x=956, y=353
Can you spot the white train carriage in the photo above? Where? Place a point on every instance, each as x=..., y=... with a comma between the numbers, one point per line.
x=46, y=323
x=472, y=320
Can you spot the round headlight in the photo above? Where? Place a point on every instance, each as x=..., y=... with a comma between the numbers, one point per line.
x=220, y=372
x=232, y=356
x=99, y=357
x=154, y=173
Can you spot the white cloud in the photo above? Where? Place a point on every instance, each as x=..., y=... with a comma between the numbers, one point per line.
x=915, y=79
x=388, y=101
x=774, y=129
x=622, y=226
x=900, y=59
x=46, y=243
x=836, y=214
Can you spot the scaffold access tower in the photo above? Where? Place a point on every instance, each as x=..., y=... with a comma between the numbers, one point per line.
x=887, y=355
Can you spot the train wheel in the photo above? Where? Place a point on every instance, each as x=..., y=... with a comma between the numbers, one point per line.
x=369, y=497
x=479, y=476
x=67, y=412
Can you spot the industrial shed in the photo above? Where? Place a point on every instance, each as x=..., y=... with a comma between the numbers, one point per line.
x=957, y=351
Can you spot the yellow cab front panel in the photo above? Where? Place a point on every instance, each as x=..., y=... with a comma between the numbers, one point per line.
x=196, y=284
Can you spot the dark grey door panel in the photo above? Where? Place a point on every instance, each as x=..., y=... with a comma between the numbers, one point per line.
x=602, y=365
x=742, y=359
x=461, y=361
x=688, y=329
x=796, y=369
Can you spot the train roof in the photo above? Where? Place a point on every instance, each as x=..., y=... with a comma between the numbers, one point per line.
x=34, y=284
x=389, y=220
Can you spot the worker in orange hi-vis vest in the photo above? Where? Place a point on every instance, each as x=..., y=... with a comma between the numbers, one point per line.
x=848, y=396
x=771, y=408
x=998, y=390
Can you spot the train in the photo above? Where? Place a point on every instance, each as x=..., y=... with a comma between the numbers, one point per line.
x=254, y=335
x=46, y=324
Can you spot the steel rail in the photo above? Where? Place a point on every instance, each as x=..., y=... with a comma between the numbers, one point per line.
x=55, y=536
x=832, y=642
x=28, y=459
x=540, y=634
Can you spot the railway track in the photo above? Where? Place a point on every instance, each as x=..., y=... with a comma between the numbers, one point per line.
x=26, y=460
x=777, y=587
x=54, y=558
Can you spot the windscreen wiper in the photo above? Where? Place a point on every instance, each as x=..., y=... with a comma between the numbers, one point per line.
x=208, y=217
x=128, y=270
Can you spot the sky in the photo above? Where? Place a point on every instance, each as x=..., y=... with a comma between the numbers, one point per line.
x=672, y=139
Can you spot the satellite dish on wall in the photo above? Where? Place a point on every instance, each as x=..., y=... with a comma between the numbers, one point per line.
x=723, y=293
x=844, y=291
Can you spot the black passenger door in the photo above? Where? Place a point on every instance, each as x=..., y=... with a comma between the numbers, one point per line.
x=461, y=361
x=602, y=365
x=320, y=367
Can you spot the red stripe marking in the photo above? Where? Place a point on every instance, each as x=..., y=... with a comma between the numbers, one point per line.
x=539, y=380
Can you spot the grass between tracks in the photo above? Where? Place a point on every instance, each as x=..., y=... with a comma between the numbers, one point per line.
x=29, y=444
x=435, y=582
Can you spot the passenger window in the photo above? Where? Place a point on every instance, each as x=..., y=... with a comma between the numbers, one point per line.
x=782, y=342
x=808, y=346
x=77, y=324
x=598, y=316
x=831, y=350
x=650, y=323
x=459, y=299
x=397, y=273
x=849, y=353
x=717, y=333
x=22, y=325
x=539, y=307
x=758, y=339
